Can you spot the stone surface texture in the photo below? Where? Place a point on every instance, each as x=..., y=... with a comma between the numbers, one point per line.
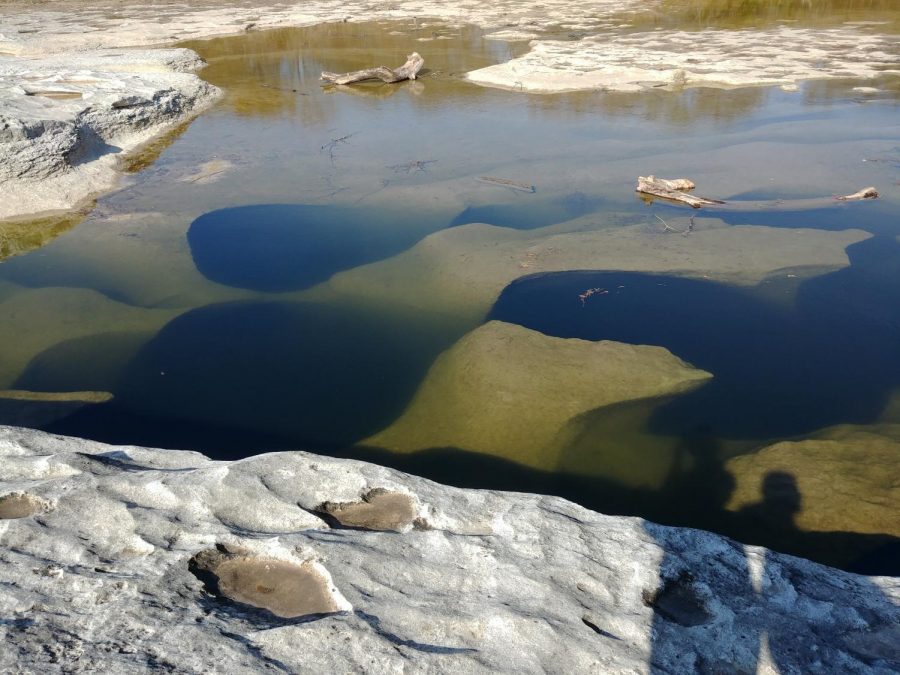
x=66, y=119
x=100, y=578
x=707, y=58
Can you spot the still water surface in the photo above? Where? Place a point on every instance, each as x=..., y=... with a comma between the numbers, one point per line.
x=198, y=295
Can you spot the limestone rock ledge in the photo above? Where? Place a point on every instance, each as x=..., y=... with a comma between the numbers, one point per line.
x=126, y=559
x=65, y=120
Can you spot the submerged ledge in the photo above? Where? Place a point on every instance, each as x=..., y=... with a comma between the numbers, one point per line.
x=179, y=554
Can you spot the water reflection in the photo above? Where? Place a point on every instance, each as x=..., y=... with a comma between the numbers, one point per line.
x=20, y=237
x=321, y=375
x=760, y=13
x=276, y=73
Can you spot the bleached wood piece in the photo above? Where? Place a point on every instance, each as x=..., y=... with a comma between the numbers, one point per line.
x=407, y=71
x=865, y=193
x=660, y=187
x=505, y=182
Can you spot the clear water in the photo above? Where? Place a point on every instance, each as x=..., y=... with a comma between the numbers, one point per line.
x=198, y=293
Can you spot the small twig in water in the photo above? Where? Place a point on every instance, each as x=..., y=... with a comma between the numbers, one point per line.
x=589, y=292
x=669, y=228
x=288, y=89
x=331, y=145
x=414, y=166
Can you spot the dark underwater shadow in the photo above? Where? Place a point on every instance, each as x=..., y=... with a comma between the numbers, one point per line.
x=779, y=371
x=287, y=247
x=316, y=374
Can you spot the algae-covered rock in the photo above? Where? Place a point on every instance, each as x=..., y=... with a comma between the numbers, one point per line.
x=847, y=479
x=509, y=391
x=462, y=270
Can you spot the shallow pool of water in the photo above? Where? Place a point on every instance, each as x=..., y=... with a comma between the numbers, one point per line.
x=203, y=297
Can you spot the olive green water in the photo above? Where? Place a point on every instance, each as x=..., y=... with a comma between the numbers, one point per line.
x=261, y=281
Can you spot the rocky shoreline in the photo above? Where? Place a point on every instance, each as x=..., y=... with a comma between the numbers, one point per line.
x=127, y=559
x=77, y=93
x=66, y=120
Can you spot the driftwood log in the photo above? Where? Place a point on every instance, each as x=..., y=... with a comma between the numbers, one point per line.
x=505, y=182
x=407, y=71
x=673, y=190
x=676, y=190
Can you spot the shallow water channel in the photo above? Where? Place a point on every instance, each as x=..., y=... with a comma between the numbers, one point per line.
x=261, y=282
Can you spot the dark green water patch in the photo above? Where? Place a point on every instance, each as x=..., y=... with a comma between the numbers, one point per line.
x=287, y=247
x=833, y=357
x=314, y=373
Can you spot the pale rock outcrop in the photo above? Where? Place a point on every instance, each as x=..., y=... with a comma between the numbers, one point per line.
x=846, y=479
x=509, y=391
x=65, y=120
x=709, y=58
x=151, y=559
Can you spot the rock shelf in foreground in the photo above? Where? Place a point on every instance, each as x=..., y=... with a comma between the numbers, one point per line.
x=141, y=559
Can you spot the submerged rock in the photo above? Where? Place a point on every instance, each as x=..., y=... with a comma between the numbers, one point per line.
x=108, y=580
x=41, y=318
x=509, y=391
x=463, y=270
x=846, y=479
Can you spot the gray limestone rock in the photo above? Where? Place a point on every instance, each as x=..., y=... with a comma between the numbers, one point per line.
x=485, y=582
x=61, y=115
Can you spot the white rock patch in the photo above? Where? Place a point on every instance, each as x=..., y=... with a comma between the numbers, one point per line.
x=710, y=58
x=486, y=582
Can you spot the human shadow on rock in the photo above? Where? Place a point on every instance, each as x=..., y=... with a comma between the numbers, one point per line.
x=755, y=594
x=692, y=497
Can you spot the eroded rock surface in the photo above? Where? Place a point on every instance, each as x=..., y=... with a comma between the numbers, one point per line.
x=491, y=582
x=710, y=58
x=847, y=479
x=64, y=120
x=21, y=505
x=509, y=391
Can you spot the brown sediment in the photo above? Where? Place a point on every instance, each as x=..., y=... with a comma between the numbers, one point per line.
x=286, y=589
x=379, y=509
x=21, y=505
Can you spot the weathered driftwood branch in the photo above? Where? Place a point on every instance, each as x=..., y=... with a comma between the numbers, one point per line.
x=865, y=193
x=673, y=189
x=676, y=190
x=407, y=71
x=505, y=182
